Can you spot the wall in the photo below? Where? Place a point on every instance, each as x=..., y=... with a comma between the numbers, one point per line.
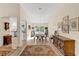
x=9, y=10
x=22, y=21
x=70, y=10
x=2, y=30
x=24, y=18
x=28, y=30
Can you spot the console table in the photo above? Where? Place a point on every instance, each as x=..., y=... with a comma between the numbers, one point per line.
x=65, y=45
x=7, y=39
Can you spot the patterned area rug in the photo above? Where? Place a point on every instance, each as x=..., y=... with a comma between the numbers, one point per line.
x=38, y=50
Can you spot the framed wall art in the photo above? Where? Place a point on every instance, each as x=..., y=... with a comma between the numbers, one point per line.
x=74, y=24
x=65, y=24
x=29, y=26
x=6, y=25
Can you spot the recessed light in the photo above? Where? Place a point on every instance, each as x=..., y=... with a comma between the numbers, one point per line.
x=40, y=8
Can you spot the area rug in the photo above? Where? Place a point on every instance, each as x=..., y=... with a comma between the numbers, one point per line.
x=38, y=50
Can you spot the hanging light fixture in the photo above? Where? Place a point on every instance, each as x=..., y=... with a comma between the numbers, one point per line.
x=40, y=13
x=40, y=18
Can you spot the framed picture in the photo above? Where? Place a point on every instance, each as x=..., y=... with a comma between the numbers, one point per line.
x=6, y=25
x=29, y=26
x=74, y=24
x=65, y=24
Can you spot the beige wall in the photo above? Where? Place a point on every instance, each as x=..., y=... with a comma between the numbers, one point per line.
x=22, y=20
x=71, y=10
x=9, y=10
x=2, y=30
x=25, y=18
x=28, y=30
x=28, y=23
x=22, y=13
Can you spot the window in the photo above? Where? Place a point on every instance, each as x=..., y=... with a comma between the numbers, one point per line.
x=39, y=28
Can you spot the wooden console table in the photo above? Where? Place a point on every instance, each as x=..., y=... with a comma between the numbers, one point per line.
x=7, y=39
x=65, y=45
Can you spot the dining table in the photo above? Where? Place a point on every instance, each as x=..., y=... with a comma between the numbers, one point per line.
x=40, y=36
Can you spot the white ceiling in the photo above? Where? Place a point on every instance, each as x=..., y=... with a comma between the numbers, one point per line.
x=41, y=12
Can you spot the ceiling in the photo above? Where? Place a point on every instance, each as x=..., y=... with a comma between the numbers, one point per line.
x=41, y=12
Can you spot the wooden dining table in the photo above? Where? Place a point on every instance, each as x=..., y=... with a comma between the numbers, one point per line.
x=40, y=36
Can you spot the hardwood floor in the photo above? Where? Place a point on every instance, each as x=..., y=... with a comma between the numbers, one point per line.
x=37, y=43
x=4, y=50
